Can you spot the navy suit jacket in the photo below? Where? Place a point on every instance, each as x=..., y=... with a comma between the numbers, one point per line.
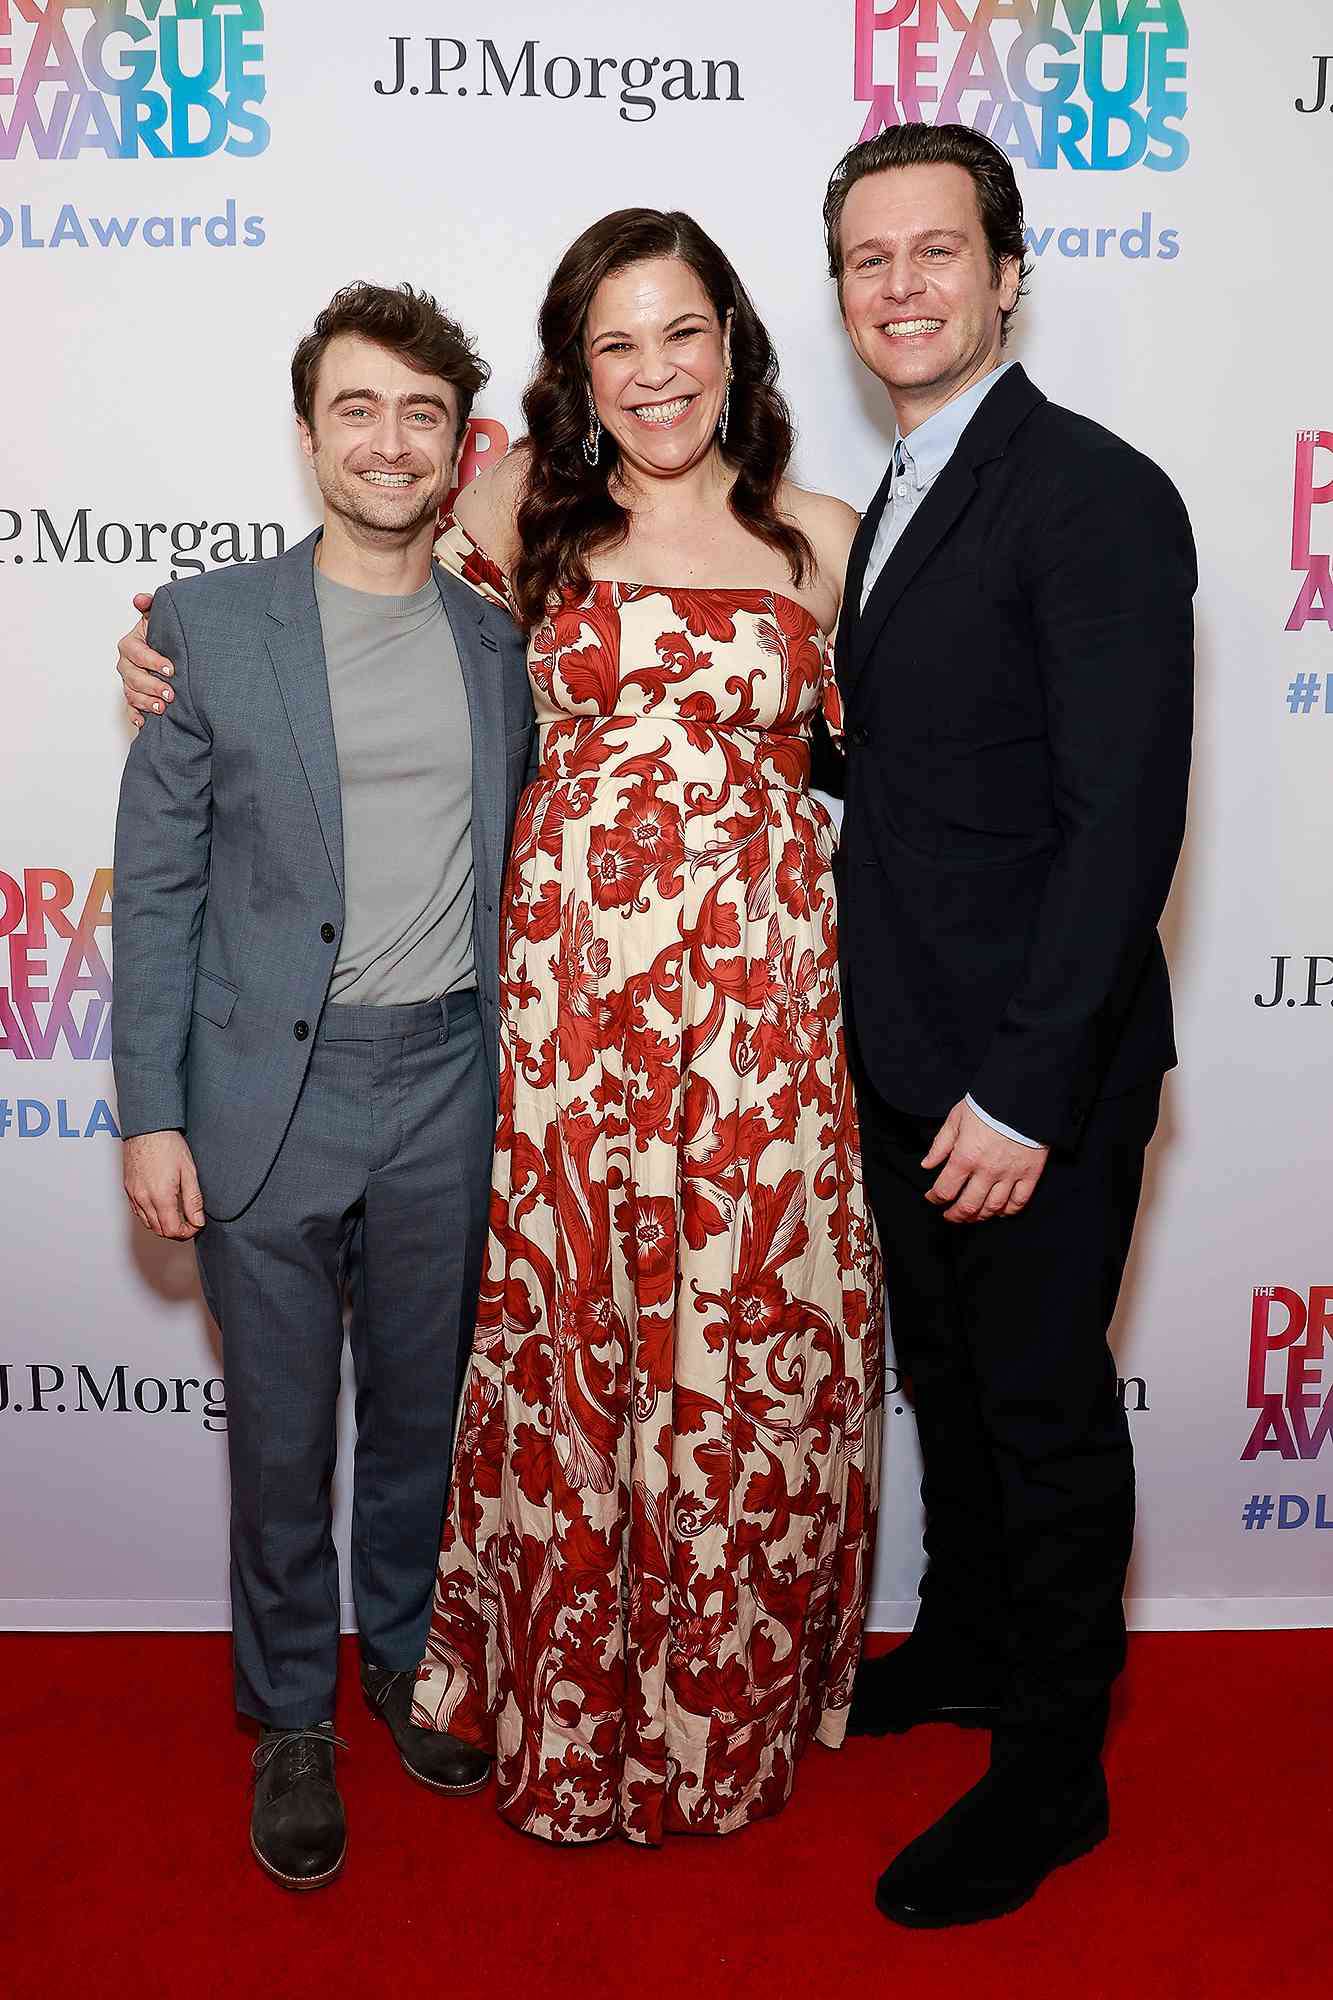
x=1018, y=698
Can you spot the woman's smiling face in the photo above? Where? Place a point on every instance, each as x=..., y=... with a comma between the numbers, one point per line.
x=657, y=361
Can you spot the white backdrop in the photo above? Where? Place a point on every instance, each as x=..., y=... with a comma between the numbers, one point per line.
x=154, y=285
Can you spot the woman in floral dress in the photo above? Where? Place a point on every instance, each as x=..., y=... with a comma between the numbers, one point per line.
x=657, y=1550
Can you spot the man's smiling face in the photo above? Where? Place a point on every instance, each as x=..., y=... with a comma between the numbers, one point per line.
x=919, y=298
x=385, y=441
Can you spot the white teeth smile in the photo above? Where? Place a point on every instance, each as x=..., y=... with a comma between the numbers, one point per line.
x=901, y=328
x=388, y=478
x=662, y=413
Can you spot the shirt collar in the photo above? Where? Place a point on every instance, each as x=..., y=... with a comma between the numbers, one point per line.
x=927, y=450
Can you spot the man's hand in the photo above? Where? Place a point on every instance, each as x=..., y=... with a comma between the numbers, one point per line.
x=984, y=1174
x=162, y=1185
x=145, y=675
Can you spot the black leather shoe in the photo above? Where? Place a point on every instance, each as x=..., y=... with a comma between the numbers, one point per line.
x=895, y=1691
x=298, y=1829
x=993, y=1849
x=429, y=1755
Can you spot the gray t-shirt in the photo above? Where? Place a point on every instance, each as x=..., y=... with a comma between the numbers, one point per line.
x=404, y=736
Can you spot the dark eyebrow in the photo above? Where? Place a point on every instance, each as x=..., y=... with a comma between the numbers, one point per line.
x=615, y=333
x=374, y=396
x=920, y=236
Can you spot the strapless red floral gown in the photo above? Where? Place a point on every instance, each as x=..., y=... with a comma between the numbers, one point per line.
x=657, y=1550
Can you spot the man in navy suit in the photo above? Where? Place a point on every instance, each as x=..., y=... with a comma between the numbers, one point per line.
x=1016, y=662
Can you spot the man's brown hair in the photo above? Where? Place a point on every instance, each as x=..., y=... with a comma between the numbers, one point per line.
x=999, y=202
x=410, y=324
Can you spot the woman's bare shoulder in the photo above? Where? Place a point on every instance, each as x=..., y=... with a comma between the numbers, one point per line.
x=819, y=514
x=828, y=524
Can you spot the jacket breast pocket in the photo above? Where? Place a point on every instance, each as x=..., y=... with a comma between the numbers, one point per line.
x=214, y=998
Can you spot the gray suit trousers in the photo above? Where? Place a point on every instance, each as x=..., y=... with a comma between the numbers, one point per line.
x=380, y=1188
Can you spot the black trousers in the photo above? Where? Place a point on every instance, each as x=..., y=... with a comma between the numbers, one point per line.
x=1028, y=1469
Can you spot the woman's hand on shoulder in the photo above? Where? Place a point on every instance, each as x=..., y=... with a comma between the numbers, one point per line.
x=488, y=506
x=144, y=674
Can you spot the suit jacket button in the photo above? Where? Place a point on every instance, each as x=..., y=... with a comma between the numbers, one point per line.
x=860, y=735
x=301, y=1030
x=328, y=933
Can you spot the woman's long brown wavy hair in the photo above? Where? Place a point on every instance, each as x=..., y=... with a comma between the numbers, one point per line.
x=567, y=510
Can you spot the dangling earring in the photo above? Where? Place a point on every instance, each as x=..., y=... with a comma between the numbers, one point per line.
x=592, y=444
x=726, y=412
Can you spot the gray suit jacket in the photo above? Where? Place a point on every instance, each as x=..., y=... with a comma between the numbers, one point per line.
x=228, y=907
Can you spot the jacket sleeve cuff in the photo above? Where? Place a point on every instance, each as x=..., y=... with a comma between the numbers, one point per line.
x=150, y=1103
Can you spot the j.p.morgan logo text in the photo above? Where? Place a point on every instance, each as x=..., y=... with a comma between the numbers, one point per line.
x=1308, y=984
x=443, y=66
x=74, y=535
x=105, y=1388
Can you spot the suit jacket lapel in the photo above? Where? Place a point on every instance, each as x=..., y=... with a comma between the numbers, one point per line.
x=849, y=621
x=296, y=649
x=1008, y=403
x=479, y=661
x=924, y=532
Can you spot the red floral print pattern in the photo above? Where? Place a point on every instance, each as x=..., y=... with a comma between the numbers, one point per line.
x=657, y=1551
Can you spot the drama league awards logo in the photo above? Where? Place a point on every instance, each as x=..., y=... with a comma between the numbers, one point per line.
x=55, y=983
x=132, y=79
x=1309, y=491
x=1311, y=692
x=484, y=444
x=1094, y=85
x=1290, y=1381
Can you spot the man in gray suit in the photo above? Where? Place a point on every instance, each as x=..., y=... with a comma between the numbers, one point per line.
x=308, y=864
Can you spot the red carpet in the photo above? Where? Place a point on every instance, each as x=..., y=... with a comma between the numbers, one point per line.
x=125, y=1869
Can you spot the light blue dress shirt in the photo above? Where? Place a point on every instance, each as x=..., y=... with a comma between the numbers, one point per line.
x=918, y=460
